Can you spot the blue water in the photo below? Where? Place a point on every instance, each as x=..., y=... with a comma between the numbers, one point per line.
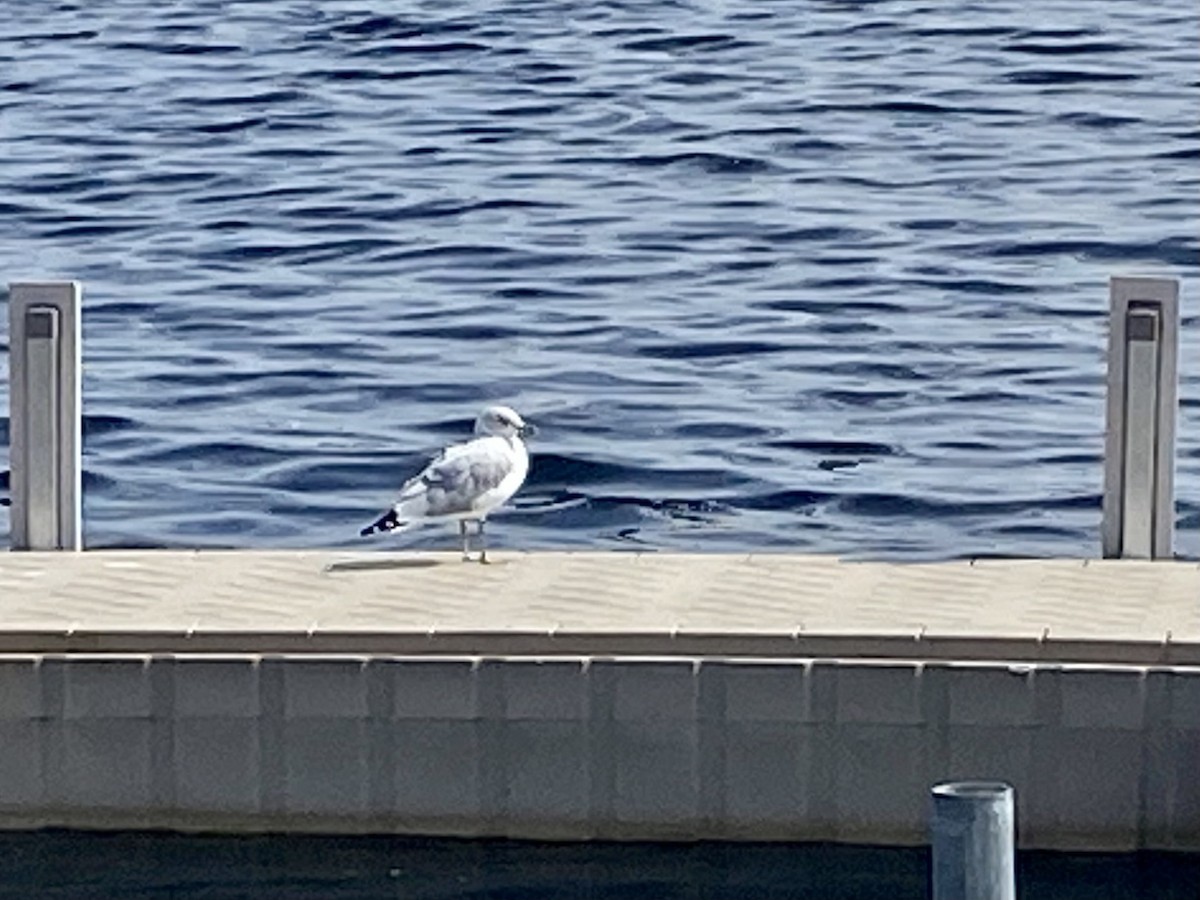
x=829, y=276
x=131, y=866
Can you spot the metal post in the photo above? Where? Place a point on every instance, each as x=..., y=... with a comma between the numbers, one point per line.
x=973, y=846
x=44, y=415
x=1139, y=449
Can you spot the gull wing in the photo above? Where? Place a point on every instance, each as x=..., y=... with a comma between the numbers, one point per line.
x=455, y=481
x=452, y=484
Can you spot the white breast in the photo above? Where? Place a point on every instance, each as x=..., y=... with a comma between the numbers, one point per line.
x=512, y=481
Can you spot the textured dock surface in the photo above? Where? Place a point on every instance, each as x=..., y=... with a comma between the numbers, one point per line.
x=581, y=696
x=550, y=603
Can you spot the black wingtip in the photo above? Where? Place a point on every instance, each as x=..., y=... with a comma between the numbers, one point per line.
x=388, y=521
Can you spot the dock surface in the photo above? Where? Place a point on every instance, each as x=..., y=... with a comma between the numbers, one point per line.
x=615, y=603
x=597, y=695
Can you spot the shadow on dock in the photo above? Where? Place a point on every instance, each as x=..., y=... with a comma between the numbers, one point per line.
x=376, y=565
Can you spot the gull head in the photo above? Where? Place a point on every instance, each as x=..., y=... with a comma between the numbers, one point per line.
x=502, y=421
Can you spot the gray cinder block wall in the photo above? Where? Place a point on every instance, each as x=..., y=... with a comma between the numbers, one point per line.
x=1101, y=757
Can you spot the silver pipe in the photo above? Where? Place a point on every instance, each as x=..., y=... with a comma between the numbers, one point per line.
x=974, y=851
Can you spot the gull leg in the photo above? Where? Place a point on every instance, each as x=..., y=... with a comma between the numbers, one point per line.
x=482, y=544
x=466, y=540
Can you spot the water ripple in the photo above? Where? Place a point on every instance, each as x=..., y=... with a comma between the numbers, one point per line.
x=826, y=277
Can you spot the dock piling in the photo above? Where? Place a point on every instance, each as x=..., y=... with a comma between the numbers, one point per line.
x=44, y=415
x=1139, y=450
x=973, y=845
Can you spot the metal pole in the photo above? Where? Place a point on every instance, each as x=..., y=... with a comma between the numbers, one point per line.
x=973, y=845
x=44, y=415
x=1139, y=450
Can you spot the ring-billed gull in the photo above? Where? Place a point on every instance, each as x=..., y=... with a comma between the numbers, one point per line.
x=466, y=481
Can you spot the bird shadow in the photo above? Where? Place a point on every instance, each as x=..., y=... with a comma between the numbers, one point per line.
x=378, y=565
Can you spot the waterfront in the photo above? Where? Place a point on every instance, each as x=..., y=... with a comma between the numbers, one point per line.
x=829, y=278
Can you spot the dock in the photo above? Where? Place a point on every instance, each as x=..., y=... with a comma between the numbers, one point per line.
x=597, y=695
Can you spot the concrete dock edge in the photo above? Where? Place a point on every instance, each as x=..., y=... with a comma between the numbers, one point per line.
x=740, y=741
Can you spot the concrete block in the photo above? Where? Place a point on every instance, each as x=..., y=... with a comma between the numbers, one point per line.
x=763, y=692
x=993, y=753
x=878, y=694
x=1182, y=803
x=325, y=766
x=437, y=768
x=1098, y=785
x=1184, y=699
x=105, y=764
x=882, y=793
x=656, y=767
x=20, y=688
x=206, y=687
x=1103, y=699
x=543, y=691
x=215, y=762
x=546, y=768
x=992, y=696
x=324, y=688
x=666, y=689
x=21, y=764
x=436, y=689
x=97, y=688
x=765, y=773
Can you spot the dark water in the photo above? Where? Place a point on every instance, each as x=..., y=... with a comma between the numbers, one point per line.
x=817, y=275
x=131, y=866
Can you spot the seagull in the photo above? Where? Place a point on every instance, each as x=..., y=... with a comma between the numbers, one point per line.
x=466, y=481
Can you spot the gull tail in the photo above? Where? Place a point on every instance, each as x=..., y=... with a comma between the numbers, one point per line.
x=389, y=521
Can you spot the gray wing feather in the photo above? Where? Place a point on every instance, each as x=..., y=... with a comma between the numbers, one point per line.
x=453, y=481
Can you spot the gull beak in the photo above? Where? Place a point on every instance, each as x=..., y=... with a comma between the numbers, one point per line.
x=528, y=429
